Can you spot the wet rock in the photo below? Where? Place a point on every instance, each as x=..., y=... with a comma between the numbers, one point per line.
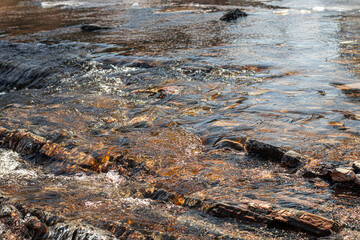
x=265, y=150
x=92, y=27
x=73, y=157
x=234, y=143
x=36, y=228
x=356, y=166
x=23, y=142
x=48, y=218
x=11, y=220
x=238, y=212
x=316, y=168
x=259, y=206
x=291, y=159
x=342, y=175
x=233, y=15
x=306, y=221
x=357, y=179
x=321, y=92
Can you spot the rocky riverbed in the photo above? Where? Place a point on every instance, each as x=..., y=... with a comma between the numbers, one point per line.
x=158, y=120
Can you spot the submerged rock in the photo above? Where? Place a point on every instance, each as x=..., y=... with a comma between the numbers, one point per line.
x=92, y=27
x=265, y=150
x=233, y=15
x=291, y=159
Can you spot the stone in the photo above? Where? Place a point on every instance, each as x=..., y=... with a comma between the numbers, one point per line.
x=356, y=166
x=37, y=228
x=92, y=27
x=357, y=179
x=291, y=159
x=305, y=221
x=238, y=212
x=342, y=175
x=234, y=143
x=265, y=150
x=233, y=15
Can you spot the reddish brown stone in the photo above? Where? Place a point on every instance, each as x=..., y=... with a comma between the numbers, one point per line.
x=305, y=221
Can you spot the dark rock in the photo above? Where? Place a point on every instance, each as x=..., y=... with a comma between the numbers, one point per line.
x=291, y=159
x=238, y=212
x=92, y=27
x=233, y=15
x=265, y=150
x=356, y=166
x=162, y=195
x=36, y=228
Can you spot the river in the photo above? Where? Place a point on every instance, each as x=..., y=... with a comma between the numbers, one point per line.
x=163, y=97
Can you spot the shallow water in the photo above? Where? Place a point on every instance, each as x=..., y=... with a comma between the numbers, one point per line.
x=161, y=83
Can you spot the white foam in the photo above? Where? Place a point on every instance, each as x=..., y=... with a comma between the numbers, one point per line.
x=10, y=165
x=2, y=93
x=61, y=4
x=136, y=201
x=318, y=9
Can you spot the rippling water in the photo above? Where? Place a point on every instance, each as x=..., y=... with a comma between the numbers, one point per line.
x=159, y=83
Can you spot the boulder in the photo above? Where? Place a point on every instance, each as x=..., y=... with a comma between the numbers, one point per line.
x=233, y=15
x=342, y=175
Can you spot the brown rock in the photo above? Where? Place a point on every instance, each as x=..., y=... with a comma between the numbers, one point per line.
x=237, y=212
x=36, y=227
x=260, y=207
x=342, y=175
x=305, y=221
x=357, y=179
x=237, y=144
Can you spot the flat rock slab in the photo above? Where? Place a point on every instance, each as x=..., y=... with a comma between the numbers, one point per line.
x=306, y=221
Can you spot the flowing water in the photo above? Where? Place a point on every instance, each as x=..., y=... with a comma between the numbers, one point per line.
x=161, y=83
